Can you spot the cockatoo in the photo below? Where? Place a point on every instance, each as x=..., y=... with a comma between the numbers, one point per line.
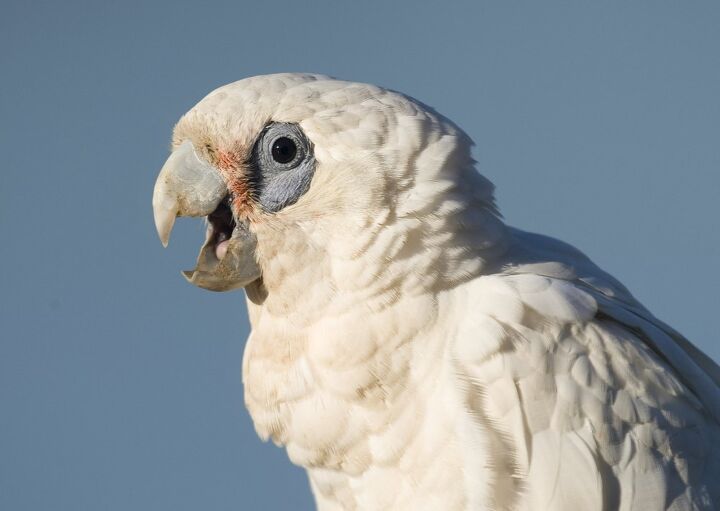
x=410, y=349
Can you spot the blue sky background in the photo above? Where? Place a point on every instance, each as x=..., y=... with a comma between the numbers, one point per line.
x=120, y=387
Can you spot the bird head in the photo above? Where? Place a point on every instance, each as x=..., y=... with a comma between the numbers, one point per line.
x=300, y=176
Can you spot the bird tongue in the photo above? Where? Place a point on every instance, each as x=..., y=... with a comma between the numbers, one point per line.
x=221, y=249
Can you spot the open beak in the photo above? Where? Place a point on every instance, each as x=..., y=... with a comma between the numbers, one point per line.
x=190, y=186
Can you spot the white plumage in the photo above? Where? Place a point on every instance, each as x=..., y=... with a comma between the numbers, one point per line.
x=413, y=352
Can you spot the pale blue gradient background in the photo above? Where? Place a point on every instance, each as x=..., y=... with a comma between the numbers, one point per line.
x=120, y=384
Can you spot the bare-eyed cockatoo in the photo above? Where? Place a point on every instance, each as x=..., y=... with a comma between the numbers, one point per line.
x=408, y=348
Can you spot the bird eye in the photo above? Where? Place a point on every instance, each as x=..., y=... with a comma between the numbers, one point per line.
x=282, y=146
x=281, y=166
x=283, y=150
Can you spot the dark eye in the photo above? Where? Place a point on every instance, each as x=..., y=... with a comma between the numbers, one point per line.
x=281, y=147
x=283, y=150
x=281, y=166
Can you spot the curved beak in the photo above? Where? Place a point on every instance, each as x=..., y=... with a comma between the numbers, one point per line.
x=186, y=186
x=190, y=186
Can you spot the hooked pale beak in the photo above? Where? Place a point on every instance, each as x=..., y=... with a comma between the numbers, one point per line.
x=190, y=186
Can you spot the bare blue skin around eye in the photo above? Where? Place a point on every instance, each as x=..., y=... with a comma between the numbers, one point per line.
x=278, y=185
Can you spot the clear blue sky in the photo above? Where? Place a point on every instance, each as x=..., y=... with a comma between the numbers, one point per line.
x=599, y=122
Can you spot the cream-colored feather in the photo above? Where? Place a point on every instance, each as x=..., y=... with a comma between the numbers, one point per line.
x=413, y=352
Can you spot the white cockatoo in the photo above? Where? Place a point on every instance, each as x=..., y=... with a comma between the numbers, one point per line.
x=408, y=348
